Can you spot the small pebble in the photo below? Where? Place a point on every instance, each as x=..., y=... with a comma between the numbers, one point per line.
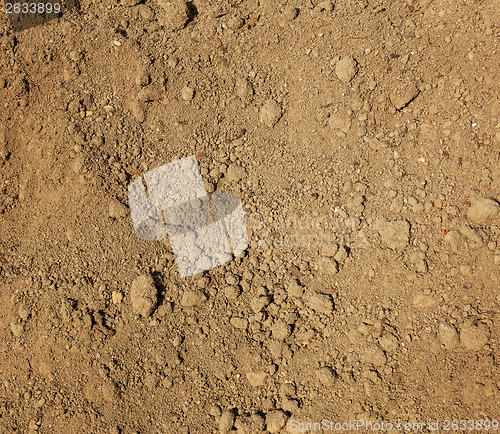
x=326, y=6
x=116, y=297
x=117, y=209
x=281, y=330
x=395, y=234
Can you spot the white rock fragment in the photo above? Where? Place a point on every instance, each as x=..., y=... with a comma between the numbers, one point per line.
x=143, y=295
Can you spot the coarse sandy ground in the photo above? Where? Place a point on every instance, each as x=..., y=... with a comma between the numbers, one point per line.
x=363, y=138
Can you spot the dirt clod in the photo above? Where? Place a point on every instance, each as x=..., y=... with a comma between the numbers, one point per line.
x=448, y=336
x=474, y=334
x=176, y=14
x=143, y=295
x=191, y=298
x=270, y=113
x=484, y=211
x=346, y=68
x=275, y=420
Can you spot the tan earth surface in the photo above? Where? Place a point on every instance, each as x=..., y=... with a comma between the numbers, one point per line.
x=363, y=138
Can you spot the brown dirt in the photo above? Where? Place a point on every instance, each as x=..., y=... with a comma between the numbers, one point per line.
x=367, y=135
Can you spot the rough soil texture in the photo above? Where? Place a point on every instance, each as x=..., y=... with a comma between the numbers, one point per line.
x=363, y=139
